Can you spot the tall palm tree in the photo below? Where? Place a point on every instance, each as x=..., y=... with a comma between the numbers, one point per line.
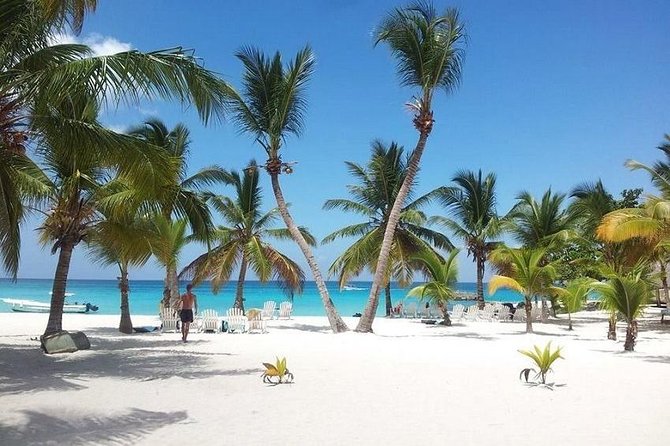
x=429, y=51
x=373, y=199
x=179, y=195
x=473, y=205
x=243, y=243
x=37, y=76
x=627, y=296
x=77, y=179
x=443, y=274
x=168, y=239
x=524, y=270
x=123, y=242
x=270, y=108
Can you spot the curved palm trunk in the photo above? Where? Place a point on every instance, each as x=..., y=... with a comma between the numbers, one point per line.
x=125, y=324
x=529, y=318
x=569, y=321
x=55, y=323
x=365, y=323
x=336, y=322
x=480, y=281
x=389, y=304
x=239, y=291
x=631, y=335
x=445, y=314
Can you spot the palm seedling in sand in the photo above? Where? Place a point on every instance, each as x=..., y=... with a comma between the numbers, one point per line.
x=429, y=51
x=472, y=205
x=372, y=198
x=522, y=270
x=243, y=243
x=270, y=108
x=543, y=359
x=443, y=275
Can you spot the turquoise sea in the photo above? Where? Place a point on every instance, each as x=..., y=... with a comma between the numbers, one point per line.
x=145, y=295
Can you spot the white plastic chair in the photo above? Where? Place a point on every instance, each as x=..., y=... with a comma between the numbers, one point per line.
x=257, y=324
x=519, y=315
x=503, y=314
x=285, y=310
x=424, y=311
x=409, y=310
x=237, y=321
x=487, y=313
x=209, y=320
x=457, y=312
x=471, y=313
x=268, y=309
x=168, y=320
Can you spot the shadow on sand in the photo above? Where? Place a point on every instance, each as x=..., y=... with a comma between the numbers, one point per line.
x=128, y=428
x=24, y=368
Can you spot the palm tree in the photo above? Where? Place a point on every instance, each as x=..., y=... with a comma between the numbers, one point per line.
x=574, y=295
x=443, y=276
x=544, y=224
x=77, y=179
x=37, y=77
x=627, y=296
x=524, y=270
x=476, y=222
x=373, y=198
x=429, y=51
x=168, y=239
x=124, y=242
x=243, y=242
x=271, y=108
x=179, y=195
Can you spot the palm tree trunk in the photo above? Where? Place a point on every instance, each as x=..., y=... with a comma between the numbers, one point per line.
x=239, y=291
x=611, y=329
x=365, y=323
x=172, y=282
x=480, y=281
x=389, y=304
x=631, y=335
x=569, y=322
x=545, y=309
x=445, y=314
x=529, y=316
x=336, y=322
x=55, y=323
x=125, y=324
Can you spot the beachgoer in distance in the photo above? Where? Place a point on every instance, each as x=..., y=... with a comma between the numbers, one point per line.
x=189, y=306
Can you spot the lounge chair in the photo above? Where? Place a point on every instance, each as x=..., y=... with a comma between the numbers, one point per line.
x=487, y=313
x=457, y=312
x=169, y=320
x=471, y=313
x=503, y=314
x=424, y=311
x=519, y=315
x=409, y=310
x=435, y=311
x=237, y=321
x=257, y=324
x=268, y=309
x=285, y=310
x=209, y=321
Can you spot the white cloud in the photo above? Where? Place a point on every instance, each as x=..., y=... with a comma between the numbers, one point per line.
x=99, y=44
x=117, y=128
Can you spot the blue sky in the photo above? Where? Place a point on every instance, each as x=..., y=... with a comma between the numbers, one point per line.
x=553, y=94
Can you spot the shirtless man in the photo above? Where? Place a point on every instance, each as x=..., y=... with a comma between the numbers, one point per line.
x=189, y=306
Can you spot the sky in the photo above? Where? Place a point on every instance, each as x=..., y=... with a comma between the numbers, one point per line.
x=553, y=94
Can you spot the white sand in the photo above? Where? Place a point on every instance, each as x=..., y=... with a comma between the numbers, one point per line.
x=407, y=384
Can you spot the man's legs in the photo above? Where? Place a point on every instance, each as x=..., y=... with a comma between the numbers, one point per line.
x=184, y=330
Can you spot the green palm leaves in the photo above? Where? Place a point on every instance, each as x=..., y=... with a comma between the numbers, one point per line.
x=443, y=274
x=243, y=243
x=574, y=295
x=543, y=358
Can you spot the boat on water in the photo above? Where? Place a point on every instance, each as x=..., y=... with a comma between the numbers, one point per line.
x=33, y=306
x=66, y=294
x=352, y=288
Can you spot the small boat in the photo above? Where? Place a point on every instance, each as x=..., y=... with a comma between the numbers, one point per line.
x=351, y=288
x=33, y=306
x=66, y=294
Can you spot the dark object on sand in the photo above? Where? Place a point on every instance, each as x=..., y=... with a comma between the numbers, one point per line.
x=428, y=321
x=356, y=315
x=64, y=342
x=147, y=329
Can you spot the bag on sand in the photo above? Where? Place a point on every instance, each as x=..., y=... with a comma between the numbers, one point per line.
x=64, y=342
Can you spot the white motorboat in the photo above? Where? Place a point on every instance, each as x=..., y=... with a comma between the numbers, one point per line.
x=33, y=306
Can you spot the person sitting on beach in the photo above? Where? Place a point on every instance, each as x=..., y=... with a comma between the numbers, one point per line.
x=189, y=306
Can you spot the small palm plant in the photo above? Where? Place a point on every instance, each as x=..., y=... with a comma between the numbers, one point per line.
x=277, y=373
x=543, y=359
x=574, y=295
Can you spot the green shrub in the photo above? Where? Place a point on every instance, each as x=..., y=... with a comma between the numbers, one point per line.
x=543, y=359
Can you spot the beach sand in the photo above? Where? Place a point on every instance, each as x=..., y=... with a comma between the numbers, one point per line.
x=409, y=383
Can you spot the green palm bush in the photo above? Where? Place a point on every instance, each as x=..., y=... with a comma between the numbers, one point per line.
x=574, y=295
x=443, y=274
x=543, y=359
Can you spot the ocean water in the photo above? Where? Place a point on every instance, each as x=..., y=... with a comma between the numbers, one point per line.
x=145, y=295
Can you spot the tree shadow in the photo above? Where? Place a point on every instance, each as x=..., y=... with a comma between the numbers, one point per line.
x=128, y=428
x=303, y=327
x=25, y=368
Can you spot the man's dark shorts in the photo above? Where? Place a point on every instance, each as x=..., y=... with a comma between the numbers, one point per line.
x=186, y=315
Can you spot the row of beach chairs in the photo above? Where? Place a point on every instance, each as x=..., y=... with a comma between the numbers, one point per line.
x=208, y=320
x=493, y=312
